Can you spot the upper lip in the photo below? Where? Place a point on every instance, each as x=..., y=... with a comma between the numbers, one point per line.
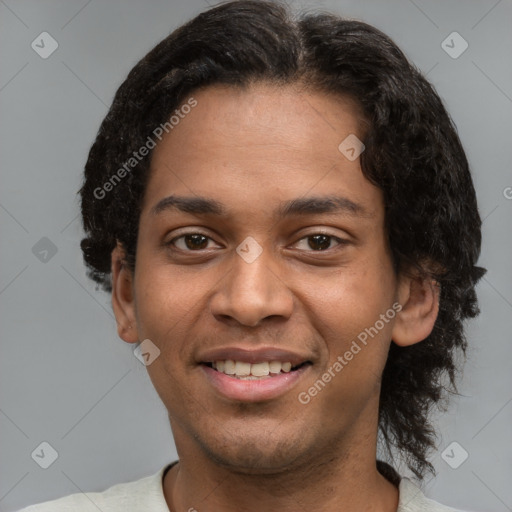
x=264, y=354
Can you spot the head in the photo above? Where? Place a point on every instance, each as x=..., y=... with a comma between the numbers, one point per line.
x=261, y=103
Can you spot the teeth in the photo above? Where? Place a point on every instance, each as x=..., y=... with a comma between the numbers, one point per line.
x=260, y=369
x=242, y=369
x=275, y=367
x=229, y=367
x=286, y=367
x=250, y=371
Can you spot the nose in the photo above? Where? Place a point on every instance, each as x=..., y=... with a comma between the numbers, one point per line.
x=252, y=292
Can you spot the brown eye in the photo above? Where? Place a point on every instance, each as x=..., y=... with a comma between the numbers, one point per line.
x=319, y=242
x=191, y=242
x=196, y=241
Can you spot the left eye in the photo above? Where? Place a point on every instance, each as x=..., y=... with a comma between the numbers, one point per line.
x=319, y=242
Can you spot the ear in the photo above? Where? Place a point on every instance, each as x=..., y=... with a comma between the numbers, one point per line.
x=123, y=296
x=419, y=298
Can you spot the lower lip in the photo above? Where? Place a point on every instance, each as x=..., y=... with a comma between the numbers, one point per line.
x=266, y=388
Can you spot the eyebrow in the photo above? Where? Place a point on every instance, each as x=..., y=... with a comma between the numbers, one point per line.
x=301, y=206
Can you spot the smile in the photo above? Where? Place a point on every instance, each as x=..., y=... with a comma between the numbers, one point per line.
x=248, y=371
x=255, y=381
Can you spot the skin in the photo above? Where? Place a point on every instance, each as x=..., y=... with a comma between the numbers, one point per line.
x=252, y=150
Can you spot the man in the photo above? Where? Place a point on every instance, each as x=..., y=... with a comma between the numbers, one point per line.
x=284, y=215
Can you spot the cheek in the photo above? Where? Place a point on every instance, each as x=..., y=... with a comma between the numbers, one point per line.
x=345, y=308
x=350, y=300
x=163, y=301
x=347, y=314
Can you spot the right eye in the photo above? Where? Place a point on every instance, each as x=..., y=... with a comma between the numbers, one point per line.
x=191, y=242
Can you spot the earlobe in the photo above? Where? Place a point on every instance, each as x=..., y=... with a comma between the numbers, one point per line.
x=123, y=297
x=419, y=298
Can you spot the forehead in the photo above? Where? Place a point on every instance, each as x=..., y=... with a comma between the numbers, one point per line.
x=268, y=115
x=258, y=143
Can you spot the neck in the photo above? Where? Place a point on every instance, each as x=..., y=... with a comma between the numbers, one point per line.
x=230, y=492
x=320, y=481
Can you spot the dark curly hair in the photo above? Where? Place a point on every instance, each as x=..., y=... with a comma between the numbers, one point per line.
x=413, y=154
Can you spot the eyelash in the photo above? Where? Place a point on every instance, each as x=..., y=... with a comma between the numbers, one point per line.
x=339, y=241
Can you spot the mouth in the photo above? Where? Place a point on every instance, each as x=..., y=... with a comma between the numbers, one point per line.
x=253, y=375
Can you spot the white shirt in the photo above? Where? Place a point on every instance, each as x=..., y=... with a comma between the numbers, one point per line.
x=147, y=495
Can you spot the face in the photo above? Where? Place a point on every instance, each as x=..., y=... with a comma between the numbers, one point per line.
x=263, y=245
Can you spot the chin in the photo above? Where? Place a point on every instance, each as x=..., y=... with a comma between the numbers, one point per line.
x=255, y=454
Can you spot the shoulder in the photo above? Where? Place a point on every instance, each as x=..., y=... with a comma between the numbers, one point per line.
x=144, y=494
x=411, y=499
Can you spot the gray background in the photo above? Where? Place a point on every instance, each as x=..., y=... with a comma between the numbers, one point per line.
x=68, y=380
